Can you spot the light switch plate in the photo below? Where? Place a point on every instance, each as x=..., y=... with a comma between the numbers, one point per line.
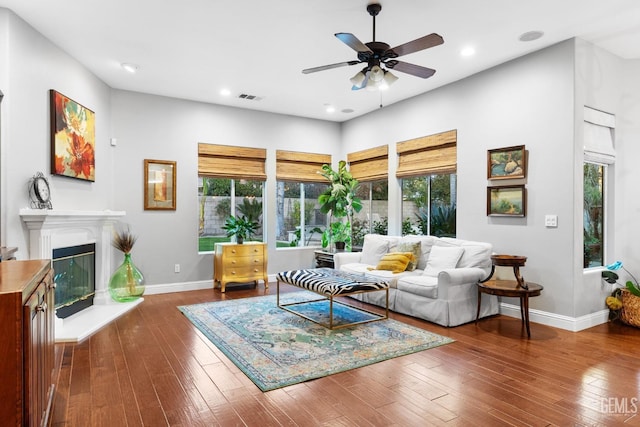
x=551, y=220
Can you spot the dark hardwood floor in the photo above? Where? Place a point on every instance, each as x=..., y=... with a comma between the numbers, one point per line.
x=151, y=367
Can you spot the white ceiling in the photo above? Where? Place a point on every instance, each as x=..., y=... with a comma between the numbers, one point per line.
x=192, y=49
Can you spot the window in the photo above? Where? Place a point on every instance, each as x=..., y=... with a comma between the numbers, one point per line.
x=593, y=215
x=373, y=218
x=427, y=167
x=293, y=228
x=599, y=157
x=221, y=197
x=429, y=205
x=299, y=221
x=371, y=168
x=230, y=182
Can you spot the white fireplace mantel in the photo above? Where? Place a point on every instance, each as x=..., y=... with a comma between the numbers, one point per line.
x=53, y=229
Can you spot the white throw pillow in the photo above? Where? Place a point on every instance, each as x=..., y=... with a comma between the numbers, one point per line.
x=373, y=248
x=442, y=258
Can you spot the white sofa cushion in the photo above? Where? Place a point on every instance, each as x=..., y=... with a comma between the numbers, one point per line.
x=476, y=254
x=426, y=286
x=442, y=258
x=373, y=248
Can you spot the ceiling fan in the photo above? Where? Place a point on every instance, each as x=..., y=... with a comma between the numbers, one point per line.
x=377, y=54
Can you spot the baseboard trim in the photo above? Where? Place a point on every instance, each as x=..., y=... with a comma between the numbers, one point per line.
x=573, y=324
x=168, y=288
x=178, y=287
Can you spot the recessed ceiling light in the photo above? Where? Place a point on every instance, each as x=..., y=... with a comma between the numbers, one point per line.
x=225, y=92
x=348, y=110
x=530, y=36
x=330, y=109
x=468, y=51
x=131, y=68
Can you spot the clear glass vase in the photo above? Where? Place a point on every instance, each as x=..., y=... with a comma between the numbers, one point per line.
x=127, y=282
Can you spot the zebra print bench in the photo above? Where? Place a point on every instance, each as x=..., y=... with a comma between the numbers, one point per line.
x=330, y=283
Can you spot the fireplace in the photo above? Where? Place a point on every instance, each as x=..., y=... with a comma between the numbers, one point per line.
x=75, y=278
x=50, y=230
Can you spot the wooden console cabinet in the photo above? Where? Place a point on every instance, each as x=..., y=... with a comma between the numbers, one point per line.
x=240, y=263
x=26, y=342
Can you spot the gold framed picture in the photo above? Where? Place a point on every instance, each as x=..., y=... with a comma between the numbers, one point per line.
x=159, y=185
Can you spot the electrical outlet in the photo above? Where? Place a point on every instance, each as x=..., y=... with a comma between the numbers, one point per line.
x=176, y=268
x=551, y=221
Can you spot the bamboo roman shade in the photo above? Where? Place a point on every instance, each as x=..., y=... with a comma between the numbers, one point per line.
x=300, y=167
x=433, y=154
x=225, y=161
x=369, y=165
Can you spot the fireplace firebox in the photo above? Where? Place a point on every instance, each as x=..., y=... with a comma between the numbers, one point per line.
x=75, y=278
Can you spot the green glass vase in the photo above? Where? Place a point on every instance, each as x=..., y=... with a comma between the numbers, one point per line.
x=127, y=282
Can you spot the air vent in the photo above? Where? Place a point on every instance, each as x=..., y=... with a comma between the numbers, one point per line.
x=249, y=97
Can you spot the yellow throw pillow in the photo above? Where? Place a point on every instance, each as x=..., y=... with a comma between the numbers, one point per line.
x=396, y=262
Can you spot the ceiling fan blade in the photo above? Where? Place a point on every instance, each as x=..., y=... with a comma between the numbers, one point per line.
x=418, y=44
x=328, y=67
x=414, y=70
x=353, y=42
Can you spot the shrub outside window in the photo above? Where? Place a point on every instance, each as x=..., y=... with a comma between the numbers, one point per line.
x=429, y=205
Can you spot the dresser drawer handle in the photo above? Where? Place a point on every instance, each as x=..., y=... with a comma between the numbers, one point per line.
x=233, y=251
x=233, y=261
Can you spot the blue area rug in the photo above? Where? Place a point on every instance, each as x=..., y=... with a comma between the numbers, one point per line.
x=275, y=348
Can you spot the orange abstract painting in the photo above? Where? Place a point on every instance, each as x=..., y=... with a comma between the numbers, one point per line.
x=73, y=134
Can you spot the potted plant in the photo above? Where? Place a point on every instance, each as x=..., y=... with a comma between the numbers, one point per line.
x=339, y=200
x=240, y=227
x=338, y=234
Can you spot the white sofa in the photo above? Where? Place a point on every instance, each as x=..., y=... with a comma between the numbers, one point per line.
x=442, y=289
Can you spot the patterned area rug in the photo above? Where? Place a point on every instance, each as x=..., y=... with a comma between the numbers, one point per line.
x=275, y=348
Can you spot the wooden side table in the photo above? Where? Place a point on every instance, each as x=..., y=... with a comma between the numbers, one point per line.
x=518, y=288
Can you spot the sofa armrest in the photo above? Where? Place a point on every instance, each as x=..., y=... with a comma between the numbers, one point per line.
x=460, y=276
x=342, y=258
x=448, y=279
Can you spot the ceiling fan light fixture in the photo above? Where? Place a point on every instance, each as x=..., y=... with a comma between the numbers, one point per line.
x=357, y=79
x=389, y=78
x=377, y=74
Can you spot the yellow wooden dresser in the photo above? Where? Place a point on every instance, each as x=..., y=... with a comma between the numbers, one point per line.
x=240, y=263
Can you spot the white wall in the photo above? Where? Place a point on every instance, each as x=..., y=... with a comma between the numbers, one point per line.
x=526, y=101
x=153, y=127
x=35, y=65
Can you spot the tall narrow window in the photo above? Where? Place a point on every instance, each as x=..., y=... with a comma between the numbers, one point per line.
x=371, y=168
x=599, y=156
x=593, y=217
x=299, y=221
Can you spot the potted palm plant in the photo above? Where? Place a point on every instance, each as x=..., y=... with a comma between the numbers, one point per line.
x=339, y=201
x=240, y=227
